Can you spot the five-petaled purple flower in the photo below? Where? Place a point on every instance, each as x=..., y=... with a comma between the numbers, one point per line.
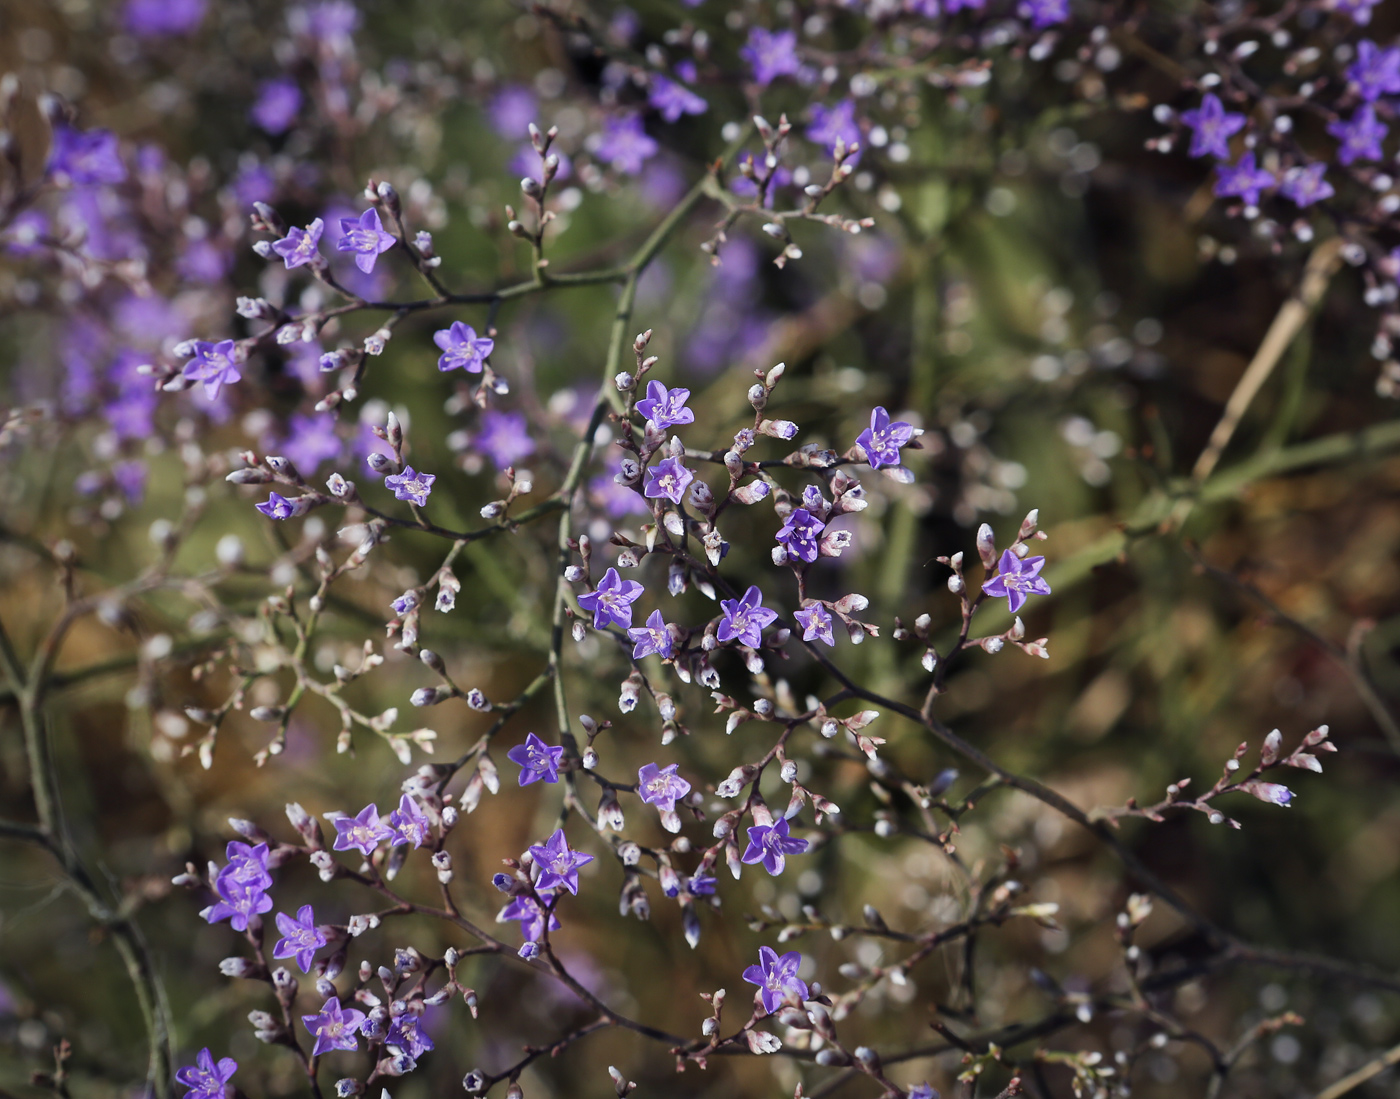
x=537, y=760
x=667, y=478
x=661, y=786
x=1212, y=127
x=205, y=1078
x=241, y=886
x=799, y=535
x=407, y=1034
x=745, y=619
x=1376, y=70
x=771, y=54
x=922, y=1091
x=1044, y=13
x=86, y=158
x=776, y=977
x=831, y=123
x=1360, y=136
x=277, y=105
x=625, y=145
x=654, y=637
x=531, y=916
x=770, y=844
x=462, y=348
x=503, y=437
x=1243, y=179
x=301, y=938
x=408, y=824
x=410, y=485
x=611, y=602
x=882, y=439
x=1304, y=186
x=277, y=506
x=213, y=364
x=363, y=833
x=334, y=1027
x=158, y=18
x=300, y=246
x=665, y=407
x=558, y=863
x=673, y=99
x=816, y=624
x=366, y=238
x=1017, y=578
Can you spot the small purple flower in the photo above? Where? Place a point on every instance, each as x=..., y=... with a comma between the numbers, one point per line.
x=923, y=1091
x=1243, y=179
x=661, y=786
x=831, y=123
x=776, y=977
x=1360, y=138
x=366, y=238
x=625, y=145
x=503, y=438
x=770, y=844
x=667, y=478
x=277, y=506
x=213, y=364
x=816, y=624
x=362, y=833
x=158, y=18
x=558, y=863
x=673, y=99
x=405, y=603
x=411, y=485
x=882, y=440
x=462, y=348
x=654, y=637
x=512, y=110
x=301, y=938
x=311, y=441
x=1044, y=13
x=1212, y=127
x=24, y=235
x=300, y=246
x=771, y=55
x=799, y=535
x=205, y=1078
x=745, y=619
x=1376, y=71
x=85, y=158
x=277, y=105
x=408, y=824
x=407, y=1034
x=241, y=886
x=611, y=602
x=537, y=760
x=1359, y=10
x=700, y=885
x=1271, y=792
x=1017, y=578
x=1304, y=186
x=335, y=1027
x=665, y=407
x=531, y=916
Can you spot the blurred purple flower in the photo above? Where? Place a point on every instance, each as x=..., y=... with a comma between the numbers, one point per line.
x=511, y=111
x=771, y=54
x=1360, y=136
x=85, y=158
x=1376, y=70
x=157, y=18
x=831, y=123
x=624, y=144
x=1212, y=127
x=1243, y=179
x=277, y=105
x=1044, y=13
x=1306, y=185
x=673, y=99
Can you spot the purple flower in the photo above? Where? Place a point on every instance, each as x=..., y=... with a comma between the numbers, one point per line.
x=665, y=407
x=407, y=1034
x=1360, y=137
x=770, y=844
x=668, y=478
x=799, y=535
x=1017, y=578
x=1268, y=791
x=85, y=158
x=816, y=624
x=776, y=977
x=700, y=885
x=366, y=238
x=1306, y=185
x=558, y=863
x=1243, y=179
x=363, y=833
x=881, y=440
x=832, y=123
x=531, y=915
x=201, y=260
x=1359, y=10
x=277, y=506
x=922, y=1091
x=537, y=760
x=300, y=246
x=411, y=485
x=771, y=54
x=1044, y=13
x=277, y=106
x=745, y=619
x=241, y=886
x=1212, y=127
x=673, y=99
x=24, y=235
x=625, y=145
x=330, y=22
x=408, y=824
x=503, y=438
x=611, y=602
x=205, y=1079
x=156, y=18
x=213, y=365
x=335, y=1027
x=462, y=348
x=301, y=938
x=310, y=441
x=654, y=637
x=512, y=110
x=1376, y=71
x=405, y=603
x=661, y=786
